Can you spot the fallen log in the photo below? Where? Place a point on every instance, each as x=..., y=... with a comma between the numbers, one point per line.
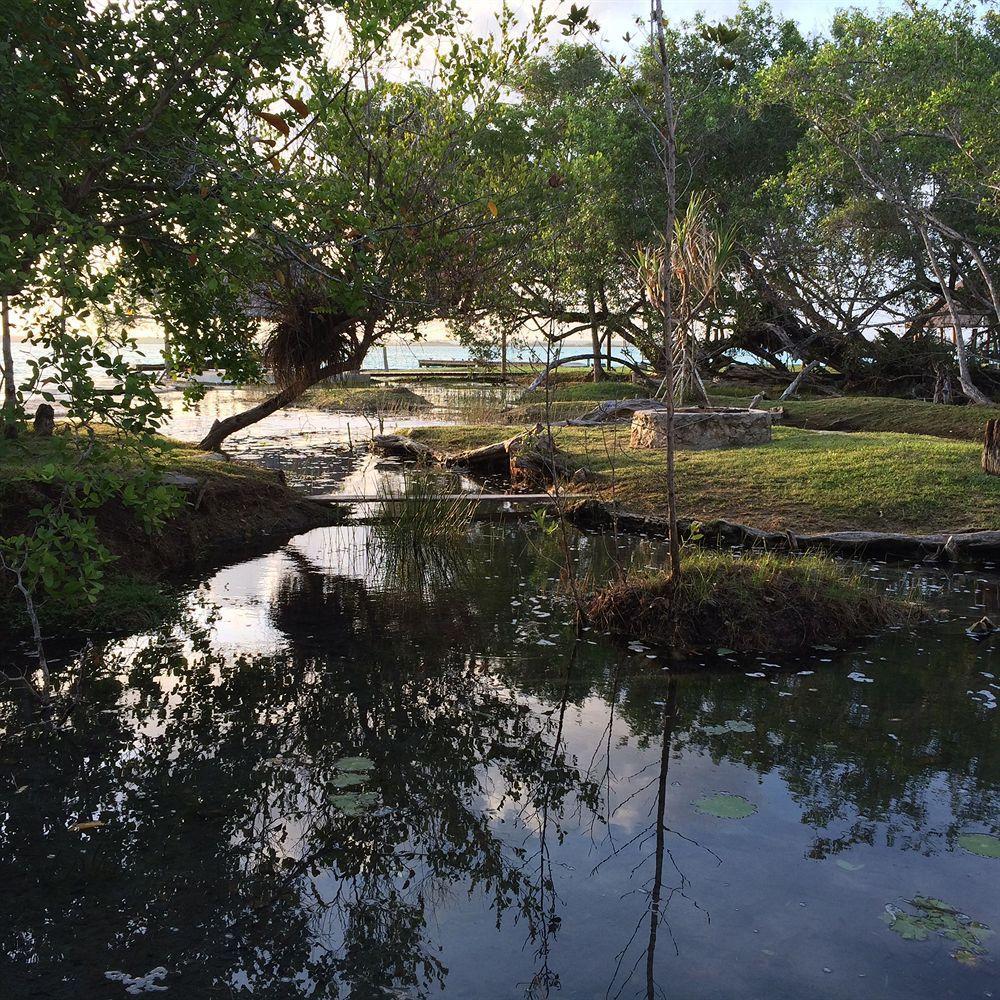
x=398, y=446
x=529, y=459
x=595, y=515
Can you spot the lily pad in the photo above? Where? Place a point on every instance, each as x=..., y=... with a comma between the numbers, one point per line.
x=725, y=806
x=348, y=780
x=732, y=726
x=354, y=803
x=354, y=764
x=847, y=866
x=983, y=844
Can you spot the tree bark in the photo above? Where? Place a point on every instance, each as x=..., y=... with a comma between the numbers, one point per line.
x=9, y=389
x=991, y=448
x=964, y=375
x=669, y=138
x=595, y=339
x=222, y=429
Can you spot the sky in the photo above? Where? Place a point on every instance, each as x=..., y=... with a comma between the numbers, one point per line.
x=618, y=16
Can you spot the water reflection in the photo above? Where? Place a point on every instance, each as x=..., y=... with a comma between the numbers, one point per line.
x=356, y=773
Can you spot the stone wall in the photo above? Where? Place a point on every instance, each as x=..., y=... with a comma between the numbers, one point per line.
x=700, y=430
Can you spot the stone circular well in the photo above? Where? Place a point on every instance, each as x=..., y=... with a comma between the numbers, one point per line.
x=701, y=429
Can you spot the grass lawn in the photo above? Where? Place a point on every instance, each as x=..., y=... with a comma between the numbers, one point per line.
x=873, y=413
x=802, y=481
x=849, y=413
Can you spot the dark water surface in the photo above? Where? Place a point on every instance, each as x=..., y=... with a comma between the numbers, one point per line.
x=351, y=772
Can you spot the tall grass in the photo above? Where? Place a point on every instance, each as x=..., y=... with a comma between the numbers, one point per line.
x=417, y=516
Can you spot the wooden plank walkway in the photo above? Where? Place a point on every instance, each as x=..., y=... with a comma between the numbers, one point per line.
x=536, y=498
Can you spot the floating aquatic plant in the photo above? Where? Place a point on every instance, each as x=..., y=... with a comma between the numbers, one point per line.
x=929, y=916
x=353, y=771
x=732, y=726
x=983, y=844
x=354, y=764
x=725, y=806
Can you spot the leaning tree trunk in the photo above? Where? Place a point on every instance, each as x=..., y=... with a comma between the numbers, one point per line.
x=222, y=429
x=9, y=391
x=964, y=375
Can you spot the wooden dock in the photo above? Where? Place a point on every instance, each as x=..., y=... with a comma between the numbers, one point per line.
x=513, y=498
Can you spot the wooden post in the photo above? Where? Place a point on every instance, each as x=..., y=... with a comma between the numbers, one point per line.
x=991, y=448
x=503, y=354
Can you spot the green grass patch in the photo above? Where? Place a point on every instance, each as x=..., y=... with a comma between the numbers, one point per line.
x=24, y=458
x=802, y=481
x=538, y=413
x=365, y=399
x=595, y=391
x=879, y=413
x=754, y=603
x=125, y=605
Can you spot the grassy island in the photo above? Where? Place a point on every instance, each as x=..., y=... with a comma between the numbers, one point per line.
x=760, y=603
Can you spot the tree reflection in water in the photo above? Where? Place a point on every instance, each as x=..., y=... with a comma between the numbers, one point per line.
x=232, y=854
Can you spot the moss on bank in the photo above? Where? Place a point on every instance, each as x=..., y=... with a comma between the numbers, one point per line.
x=756, y=603
x=802, y=481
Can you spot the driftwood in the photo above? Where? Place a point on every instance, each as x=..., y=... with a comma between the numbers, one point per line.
x=991, y=448
x=793, y=386
x=529, y=459
x=613, y=409
x=397, y=446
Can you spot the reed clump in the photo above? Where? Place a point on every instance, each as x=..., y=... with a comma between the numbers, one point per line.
x=420, y=515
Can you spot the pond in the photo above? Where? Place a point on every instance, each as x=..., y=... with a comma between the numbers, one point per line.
x=351, y=770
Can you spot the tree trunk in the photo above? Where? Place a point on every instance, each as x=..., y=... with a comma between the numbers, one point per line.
x=595, y=339
x=9, y=389
x=964, y=375
x=669, y=137
x=221, y=429
x=991, y=448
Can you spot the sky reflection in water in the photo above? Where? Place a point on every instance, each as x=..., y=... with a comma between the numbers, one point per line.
x=350, y=773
